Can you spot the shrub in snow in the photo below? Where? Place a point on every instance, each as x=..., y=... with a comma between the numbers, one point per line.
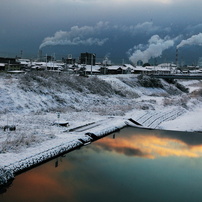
x=171, y=81
x=16, y=141
x=145, y=105
x=147, y=81
x=178, y=85
x=132, y=82
x=112, y=110
x=196, y=93
x=181, y=101
x=182, y=88
x=39, y=82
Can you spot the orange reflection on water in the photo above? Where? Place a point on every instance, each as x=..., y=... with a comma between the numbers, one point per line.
x=151, y=146
x=42, y=184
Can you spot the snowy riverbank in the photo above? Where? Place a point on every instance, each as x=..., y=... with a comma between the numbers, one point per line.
x=100, y=105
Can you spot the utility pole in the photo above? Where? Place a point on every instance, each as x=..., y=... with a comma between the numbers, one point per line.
x=92, y=63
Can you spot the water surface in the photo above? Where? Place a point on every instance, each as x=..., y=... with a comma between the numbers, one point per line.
x=131, y=165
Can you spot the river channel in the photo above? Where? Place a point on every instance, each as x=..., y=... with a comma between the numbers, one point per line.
x=129, y=165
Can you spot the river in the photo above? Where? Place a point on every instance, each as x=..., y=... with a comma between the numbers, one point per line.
x=130, y=165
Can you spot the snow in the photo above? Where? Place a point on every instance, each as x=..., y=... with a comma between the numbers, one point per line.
x=35, y=111
x=192, y=84
x=190, y=121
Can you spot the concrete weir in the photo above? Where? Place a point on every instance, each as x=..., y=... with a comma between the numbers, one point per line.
x=84, y=136
x=78, y=137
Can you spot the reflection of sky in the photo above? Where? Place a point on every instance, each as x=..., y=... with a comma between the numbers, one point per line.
x=39, y=184
x=154, y=144
x=135, y=166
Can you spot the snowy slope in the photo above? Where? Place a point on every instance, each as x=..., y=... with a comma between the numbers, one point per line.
x=33, y=103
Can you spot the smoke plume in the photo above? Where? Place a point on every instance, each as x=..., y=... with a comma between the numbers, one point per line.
x=154, y=49
x=77, y=36
x=194, y=40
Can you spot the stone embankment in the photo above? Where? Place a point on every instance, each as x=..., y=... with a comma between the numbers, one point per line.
x=80, y=136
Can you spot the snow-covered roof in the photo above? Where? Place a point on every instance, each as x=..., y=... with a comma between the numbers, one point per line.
x=157, y=68
x=140, y=68
x=167, y=65
x=24, y=63
x=2, y=64
x=95, y=68
x=23, y=60
x=38, y=63
x=125, y=68
x=129, y=66
x=114, y=67
x=150, y=68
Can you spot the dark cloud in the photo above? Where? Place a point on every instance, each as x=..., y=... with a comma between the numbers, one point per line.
x=130, y=151
x=28, y=24
x=125, y=150
x=190, y=138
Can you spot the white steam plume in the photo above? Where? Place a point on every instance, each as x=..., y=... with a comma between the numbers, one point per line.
x=77, y=36
x=154, y=49
x=194, y=40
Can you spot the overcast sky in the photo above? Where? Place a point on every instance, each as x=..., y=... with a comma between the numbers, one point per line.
x=119, y=29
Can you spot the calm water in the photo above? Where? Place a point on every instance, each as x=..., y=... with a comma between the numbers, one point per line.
x=132, y=165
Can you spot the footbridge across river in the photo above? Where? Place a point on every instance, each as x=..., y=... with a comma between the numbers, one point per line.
x=178, y=76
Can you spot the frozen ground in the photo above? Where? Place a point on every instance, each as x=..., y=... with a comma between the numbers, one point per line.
x=100, y=104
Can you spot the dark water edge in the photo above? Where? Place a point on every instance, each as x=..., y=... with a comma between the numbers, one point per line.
x=130, y=165
x=7, y=175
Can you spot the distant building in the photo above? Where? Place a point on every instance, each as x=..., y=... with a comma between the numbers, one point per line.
x=2, y=67
x=69, y=61
x=9, y=64
x=8, y=60
x=151, y=70
x=114, y=69
x=89, y=69
x=88, y=58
